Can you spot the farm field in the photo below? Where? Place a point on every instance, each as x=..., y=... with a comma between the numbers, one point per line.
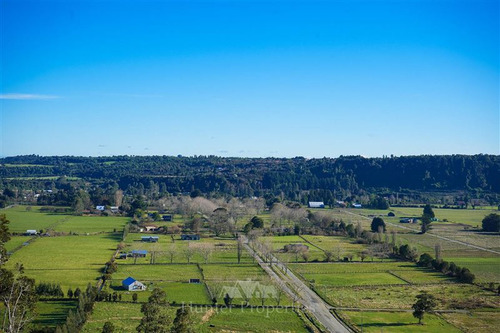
x=398, y=322
x=223, y=250
x=476, y=322
x=53, y=313
x=22, y=220
x=16, y=241
x=126, y=317
x=72, y=261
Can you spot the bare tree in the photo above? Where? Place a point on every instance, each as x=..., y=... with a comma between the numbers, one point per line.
x=205, y=250
x=118, y=198
x=171, y=252
x=437, y=250
x=328, y=255
x=189, y=251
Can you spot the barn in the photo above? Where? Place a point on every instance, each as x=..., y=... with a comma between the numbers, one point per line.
x=316, y=204
x=132, y=284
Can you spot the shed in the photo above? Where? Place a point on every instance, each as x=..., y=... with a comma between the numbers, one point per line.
x=150, y=239
x=132, y=284
x=139, y=253
x=194, y=281
x=101, y=208
x=316, y=204
x=31, y=232
x=167, y=218
x=356, y=205
x=151, y=227
x=190, y=237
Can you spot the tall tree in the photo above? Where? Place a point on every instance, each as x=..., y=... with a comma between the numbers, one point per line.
x=491, y=223
x=428, y=211
x=425, y=303
x=377, y=222
x=183, y=322
x=155, y=317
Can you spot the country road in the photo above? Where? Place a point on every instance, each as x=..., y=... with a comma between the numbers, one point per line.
x=434, y=235
x=308, y=298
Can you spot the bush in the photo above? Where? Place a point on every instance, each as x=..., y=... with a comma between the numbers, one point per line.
x=491, y=223
x=376, y=223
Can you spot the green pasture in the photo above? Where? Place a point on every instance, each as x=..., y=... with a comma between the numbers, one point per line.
x=448, y=296
x=72, y=261
x=22, y=220
x=16, y=241
x=177, y=292
x=233, y=272
x=53, y=313
x=124, y=316
x=92, y=224
x=486, y=269
x=174, y=272
x=398, y=322
x=475, y=322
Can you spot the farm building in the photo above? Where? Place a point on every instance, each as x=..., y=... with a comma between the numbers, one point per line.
x=391, y=214
x=114, y=209
x=150, y=239
x=167, y=218
x=356, y=205
x=151, y=227
x=340, y=203
x=132, y=284
x=31, y=232
x=408, y=220
x=122, y=256
x=316, y=204
x=101, y=208
x=139, y=253
x=190, y=237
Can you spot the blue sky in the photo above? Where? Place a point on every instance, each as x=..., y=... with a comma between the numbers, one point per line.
x=249, y=78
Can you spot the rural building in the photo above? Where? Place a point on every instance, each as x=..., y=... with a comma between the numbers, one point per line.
x=114, y=209
x=356, y=205
x=101, y=208
x=31, y=232
x=139, y=253
x=391, y=214
x=190, y=237
x=132, y=284
x=341, y=203
x=316, y=204
x=167, y=218
x=122, y=256
x=194, y=281
x=150, y=239
x=408, y=220
x=151, y=227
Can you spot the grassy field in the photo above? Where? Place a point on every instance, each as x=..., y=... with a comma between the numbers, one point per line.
x=16, y=241
x=448, y=296
x=475, y=322
x=72, y=261
x=22, y=220
x=53, y=313
x=398, y=322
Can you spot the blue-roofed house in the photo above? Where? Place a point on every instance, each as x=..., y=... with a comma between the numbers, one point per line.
x=132, y=284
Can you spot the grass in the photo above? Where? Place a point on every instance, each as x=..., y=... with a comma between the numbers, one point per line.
x=92, y=224
x=398, y=322
x=474, y=322
x=16, y=241
x=233, y=272
x=448, y=296
x=72, y=261
x=485, y=269
x=124, y=316
x=178, y=273
x=53, y=313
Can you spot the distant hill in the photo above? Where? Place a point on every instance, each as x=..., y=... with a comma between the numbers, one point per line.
x=293, y=178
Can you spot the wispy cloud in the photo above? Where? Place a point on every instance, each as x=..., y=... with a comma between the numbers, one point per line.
x=27, y=96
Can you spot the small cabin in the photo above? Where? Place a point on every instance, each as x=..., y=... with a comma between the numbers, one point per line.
x=132, y=284
x=190, y=237
x=150, y=239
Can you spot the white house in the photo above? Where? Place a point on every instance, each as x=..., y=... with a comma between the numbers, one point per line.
x=31, y=232
x=357, y=205
x=316, y=204
x=132, y=284
x=101, y=208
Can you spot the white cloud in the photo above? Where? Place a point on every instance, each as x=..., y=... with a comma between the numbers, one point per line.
x=27, y=96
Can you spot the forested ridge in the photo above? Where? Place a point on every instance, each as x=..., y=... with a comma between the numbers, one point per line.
x=329, y=178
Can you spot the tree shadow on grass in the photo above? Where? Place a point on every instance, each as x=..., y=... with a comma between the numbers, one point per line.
x=366, y=325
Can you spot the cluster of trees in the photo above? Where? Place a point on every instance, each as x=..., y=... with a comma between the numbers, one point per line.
x=449, y=268
x=77, y=318
x=49, y=289
x=296, y=179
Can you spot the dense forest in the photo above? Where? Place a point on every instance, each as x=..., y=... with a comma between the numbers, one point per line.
x=298, y=179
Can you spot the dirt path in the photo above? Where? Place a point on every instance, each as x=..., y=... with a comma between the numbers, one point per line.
x=298, y=290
